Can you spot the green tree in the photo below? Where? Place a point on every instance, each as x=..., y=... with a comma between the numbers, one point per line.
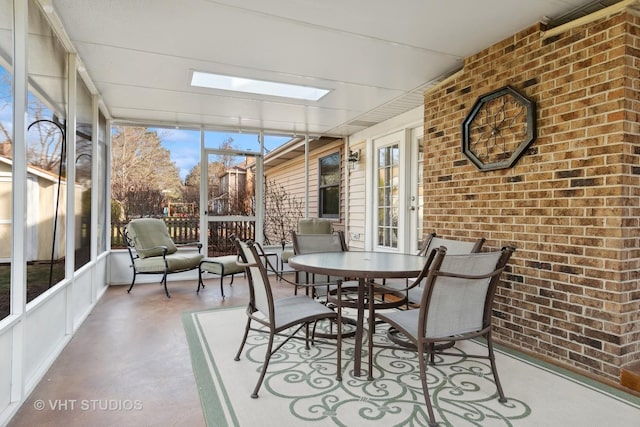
x=6, y=115
x=143, y=176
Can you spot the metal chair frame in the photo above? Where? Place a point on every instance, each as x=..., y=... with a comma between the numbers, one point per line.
x=436, y=277
x=300, y=311
x=165, y=271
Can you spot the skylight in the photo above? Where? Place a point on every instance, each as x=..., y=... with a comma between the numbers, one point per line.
x=262, y=87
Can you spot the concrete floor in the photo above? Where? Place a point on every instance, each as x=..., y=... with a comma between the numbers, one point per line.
x=129, y=363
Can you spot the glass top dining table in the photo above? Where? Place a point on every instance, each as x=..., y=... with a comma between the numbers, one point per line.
x=365, y=266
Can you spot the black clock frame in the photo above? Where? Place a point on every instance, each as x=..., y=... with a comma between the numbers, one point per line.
x=531, y=133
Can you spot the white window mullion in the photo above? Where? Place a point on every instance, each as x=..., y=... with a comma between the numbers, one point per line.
x=70, y=231
x=19, y=191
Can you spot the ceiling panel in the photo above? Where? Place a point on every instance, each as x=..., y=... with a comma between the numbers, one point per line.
x=376, y=56
x=414, y=23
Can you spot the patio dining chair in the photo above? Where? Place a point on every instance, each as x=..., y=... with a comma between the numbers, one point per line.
x=456, y=305
x=285, y=316
x=413, y=287
x=318, y=243
x=382, y=298
x=152, y=251
x=307, y=243
x=306, y=226
x=319, y=287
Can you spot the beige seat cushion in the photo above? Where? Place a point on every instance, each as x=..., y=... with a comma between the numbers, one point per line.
x=177, y=261
x=149, y=235
x=226, y=263
x=314, y=226
x=286, y=255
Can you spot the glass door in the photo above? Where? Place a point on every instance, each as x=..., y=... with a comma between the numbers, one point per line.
x=416, y=197
x=231, y=209
x=387, y=193
x=398, y=191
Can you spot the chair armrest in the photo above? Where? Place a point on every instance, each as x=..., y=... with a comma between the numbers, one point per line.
x=389, y=288
x=189, y=244
x=245, y=264
x=164, y=249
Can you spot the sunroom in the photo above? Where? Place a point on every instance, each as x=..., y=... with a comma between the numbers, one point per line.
x=388, y=99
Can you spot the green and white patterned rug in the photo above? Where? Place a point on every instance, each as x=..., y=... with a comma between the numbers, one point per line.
x=300, y=386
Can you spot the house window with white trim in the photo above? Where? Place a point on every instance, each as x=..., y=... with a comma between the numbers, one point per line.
x=329, y=186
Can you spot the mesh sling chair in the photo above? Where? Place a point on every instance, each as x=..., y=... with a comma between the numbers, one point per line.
x=278, y=315
x=306, y=226
x=382, y=298
x=318, y=243
x=456, y=305
x=321, y=286
x=152, y=251
x=414, y=288
x=307, y=243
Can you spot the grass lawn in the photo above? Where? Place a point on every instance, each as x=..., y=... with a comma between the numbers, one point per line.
x=37, y=282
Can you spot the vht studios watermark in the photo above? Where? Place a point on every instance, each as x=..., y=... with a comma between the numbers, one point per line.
x=87, y=405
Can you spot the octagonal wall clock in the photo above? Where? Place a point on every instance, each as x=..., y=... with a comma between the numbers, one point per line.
x=499, y=128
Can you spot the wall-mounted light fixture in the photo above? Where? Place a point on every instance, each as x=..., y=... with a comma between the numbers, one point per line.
x=354, y=156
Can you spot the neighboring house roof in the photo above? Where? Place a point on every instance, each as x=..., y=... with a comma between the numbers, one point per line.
x=35, y=171
x=238, y=168
x=292, y=149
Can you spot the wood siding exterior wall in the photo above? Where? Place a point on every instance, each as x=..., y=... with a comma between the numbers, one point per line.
x=357, y=199
x=291, y=175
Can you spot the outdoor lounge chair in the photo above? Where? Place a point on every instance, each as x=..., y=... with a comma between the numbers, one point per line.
x=153, y=252
x=281, y=314
x=456, y=305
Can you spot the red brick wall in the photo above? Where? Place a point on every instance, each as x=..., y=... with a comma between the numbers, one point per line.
x=570, y=204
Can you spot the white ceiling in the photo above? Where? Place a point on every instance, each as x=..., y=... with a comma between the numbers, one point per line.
x=376, y=56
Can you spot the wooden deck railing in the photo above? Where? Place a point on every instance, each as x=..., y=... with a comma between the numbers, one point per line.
x=187, y=229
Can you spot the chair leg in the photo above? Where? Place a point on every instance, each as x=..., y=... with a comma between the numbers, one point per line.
x=425, y=388
x=267, y=357
x=133, y=281
x=164, y=282
x=244, y=339
x=494, y=369
x=339, y=343
x=371, y=331
x=432, y=353
x=297, y=279
x=200, y=282
x=306, y=334
x=313, y=332
x=222, y=280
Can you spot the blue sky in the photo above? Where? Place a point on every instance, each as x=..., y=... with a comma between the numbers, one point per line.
x=184, y=145
x=6, y=112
